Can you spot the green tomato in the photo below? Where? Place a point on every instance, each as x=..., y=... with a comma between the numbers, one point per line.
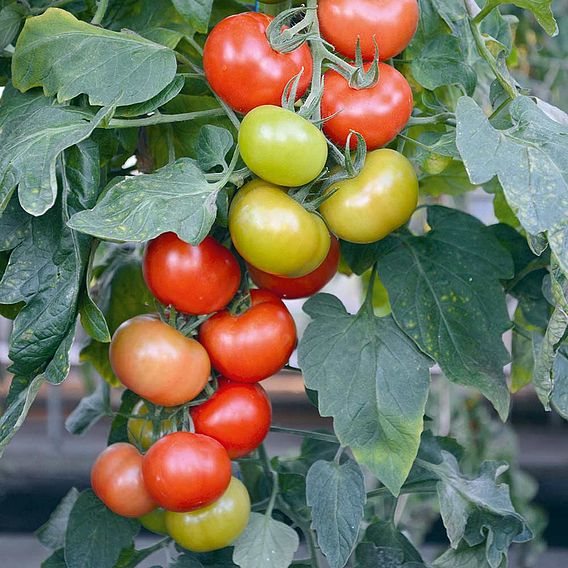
x=215, y=526
x=155, y=521
x=435, y=164
x=379, y=200
x=276, y=234
x=141, y=431
x=281, y=147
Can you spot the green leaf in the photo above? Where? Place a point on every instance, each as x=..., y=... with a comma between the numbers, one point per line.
x=452, y=181
x=89, y=411
x=372, y=380
x=93, y=320
x=384, y=534
x=477, y=509
x=213, y=144
x=445, y=294
x=176, y=198
x=32, y=143
x=11, y=18
x=56, y=560
x=196, y=12
x=122, y=68
x=465, y=557
x=370, y=556
x=441, y=62
x=95, y=536
x=530, y=160
x=542, y=9
x=559, y=398
x=119, y=427
x=185, y=561
x=336, y=495
x=52, y=533
x=265, y=542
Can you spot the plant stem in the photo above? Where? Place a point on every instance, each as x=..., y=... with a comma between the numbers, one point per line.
x=306, y=434
x=194, y=44
x=102, y=6
x=435, y=119
x=484, y=12
x=224, y=180
x=267, y=466
x=159, y=118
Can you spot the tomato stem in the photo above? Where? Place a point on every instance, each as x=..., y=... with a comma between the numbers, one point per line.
x=102, y=6
x=159, y=118
x=306, y=434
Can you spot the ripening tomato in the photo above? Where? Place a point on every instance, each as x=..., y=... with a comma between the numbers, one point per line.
x=237, y=416
x=116, y=478
x=251, y=346
x=275, y=233
x=244, y=70
x=141, y=430
x=379, y=113
x=392, y=23
x=195, y=280
x=157, y=362
x=308, y=285
x=379, y=200
x=282, y=147
x=185, y=471
x=155, y=522
x=215, y=526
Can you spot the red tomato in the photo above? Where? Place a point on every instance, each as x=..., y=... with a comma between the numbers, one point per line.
x=244, y=70
x=157, y=362
x=254, y=345
x=185, y=471
x=378, y=113
x=391, y=22
x=237, y=416
x=308, y=285
x=195, y=280
x=116, y=478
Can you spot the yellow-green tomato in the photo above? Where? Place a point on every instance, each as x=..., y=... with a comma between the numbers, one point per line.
x=155, y=521
x=282, y=147
x=141, y=430
x=215, y=526
x=276, y=234
x=379, y=200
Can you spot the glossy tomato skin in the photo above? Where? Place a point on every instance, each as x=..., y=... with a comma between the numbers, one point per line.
x=238, y=416
x=155, y=521
x=379, y=113
x=157, y=362
x=275, y=233
x=282, y=147
x=305, y=286
x=185, y=471
x=116, y=479
x=254, y=345
x=215, y=526
x=392, y=23
x=379, y=200
x=140, y=431
x=195, y=280
x=244, y=70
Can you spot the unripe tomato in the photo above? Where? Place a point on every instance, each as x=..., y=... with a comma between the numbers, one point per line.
x=116, y=479
x=155, y=522
x=379, y=113
x=185, y=471
x=379, y=200
x=215, y=526
x=237, y=416
x=195, y=280
x=157, y=362
x=244, y=70
x=435, y=164
x=392, y=23
x=141, y=430
x=275, y=233
x=308, y=285
x=254, y=345
x=282, y=147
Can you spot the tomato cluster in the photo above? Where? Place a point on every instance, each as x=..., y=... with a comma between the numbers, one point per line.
x=197, y=369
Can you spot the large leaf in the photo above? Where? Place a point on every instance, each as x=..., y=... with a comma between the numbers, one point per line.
x=52, y=533
x=89, y=411
x=31, y=144
x=196, y=12
x=384, y=534
x=95, y=536
x=559, y=398
x=445, y=293
x=56, y=560
x=11, y=18
x=265, y=542
x=121, y=68
x=336, y=495
x=372, y=380
x=176, y=198
x=465, y=557
x=530, y=159
x=542, y=9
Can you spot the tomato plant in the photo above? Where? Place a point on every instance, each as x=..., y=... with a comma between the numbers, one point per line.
x=160, y=158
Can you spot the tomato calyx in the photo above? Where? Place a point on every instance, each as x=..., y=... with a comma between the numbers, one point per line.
x=285, y=36
x=359, y=74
